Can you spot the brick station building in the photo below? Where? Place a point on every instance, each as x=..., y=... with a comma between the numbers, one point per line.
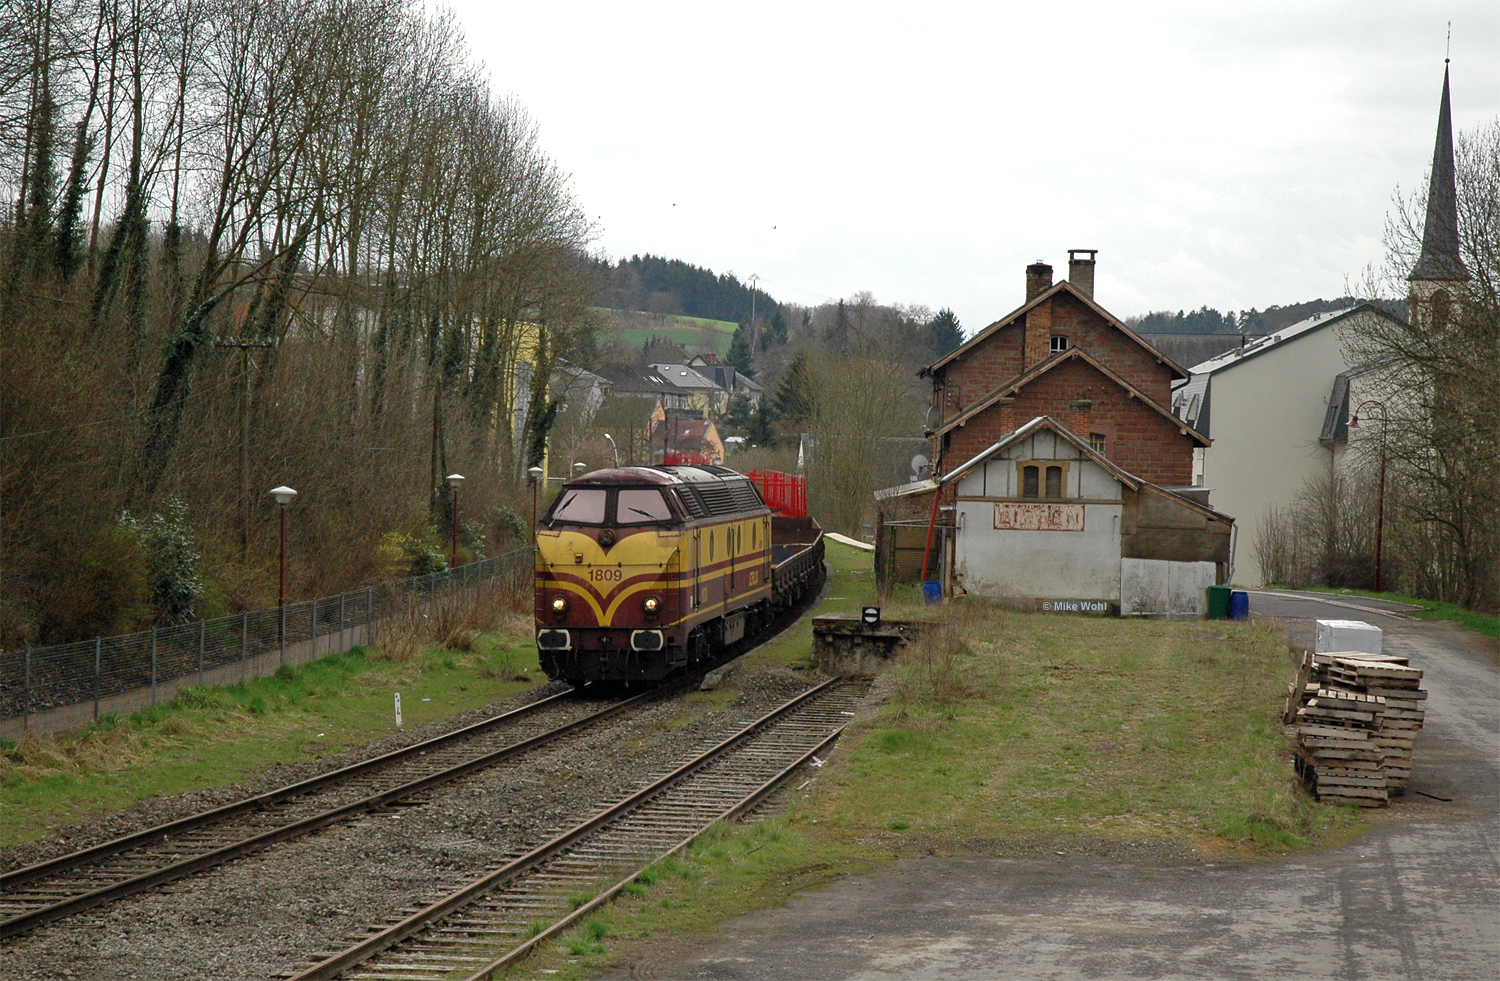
x=1061, y=354
x=1064, y=379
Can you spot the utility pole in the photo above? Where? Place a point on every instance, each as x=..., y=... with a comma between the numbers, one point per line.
x=244, y=347
x=754, y=334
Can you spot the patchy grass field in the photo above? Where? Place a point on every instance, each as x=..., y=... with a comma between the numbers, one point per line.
x=636, y=329
x=1004, y=733
x=209, y=737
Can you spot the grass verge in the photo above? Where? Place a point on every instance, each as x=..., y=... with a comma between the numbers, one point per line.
x=1475, y=620
x=208, y=737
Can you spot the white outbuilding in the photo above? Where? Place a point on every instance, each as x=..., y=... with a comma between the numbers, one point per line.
x=1041, y=519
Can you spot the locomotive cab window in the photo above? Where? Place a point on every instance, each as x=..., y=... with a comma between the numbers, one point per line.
x=636, y=507
x=580, y=506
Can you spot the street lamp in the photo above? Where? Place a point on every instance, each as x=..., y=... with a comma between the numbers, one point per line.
x=613, y=447
x=579, y=468
x=535, y=473
x=454, y=479
x=1380, y=507
x=283, y=497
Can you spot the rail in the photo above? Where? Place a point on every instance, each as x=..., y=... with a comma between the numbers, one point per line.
x=657, y=820
x=69, y=884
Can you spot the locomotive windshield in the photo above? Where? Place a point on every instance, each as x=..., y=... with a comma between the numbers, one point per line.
x=583, y=506
x=636, y=507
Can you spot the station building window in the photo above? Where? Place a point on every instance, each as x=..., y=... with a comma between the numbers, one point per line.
x=1059, y=343
x=1043, y=479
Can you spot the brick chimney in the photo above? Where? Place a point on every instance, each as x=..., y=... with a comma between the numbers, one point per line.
x=1081, y=269
x=1080, y=416
x=1038, y=279
x=1007, y=414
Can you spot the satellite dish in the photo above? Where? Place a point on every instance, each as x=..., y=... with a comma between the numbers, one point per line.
x=934, y=417
x=918, y=462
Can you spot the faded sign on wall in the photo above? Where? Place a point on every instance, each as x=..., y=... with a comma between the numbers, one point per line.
x=1038, y=517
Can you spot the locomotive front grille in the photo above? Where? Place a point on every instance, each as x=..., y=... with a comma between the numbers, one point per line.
x=645, y=640
x=554, y=640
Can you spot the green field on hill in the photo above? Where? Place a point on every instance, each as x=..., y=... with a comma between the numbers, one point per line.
x=635, y=329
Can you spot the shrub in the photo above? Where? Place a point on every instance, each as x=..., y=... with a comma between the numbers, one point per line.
x=107, y=590
x=424, y=559
x=171, y=559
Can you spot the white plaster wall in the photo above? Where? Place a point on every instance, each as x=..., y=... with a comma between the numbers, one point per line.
x=1267, y=414
x=1064, y=565
x=1159, y=587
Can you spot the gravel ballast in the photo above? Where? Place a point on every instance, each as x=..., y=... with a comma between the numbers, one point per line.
x=264, y=915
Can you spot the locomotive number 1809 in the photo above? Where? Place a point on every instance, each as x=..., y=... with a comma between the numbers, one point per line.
x=605, y=575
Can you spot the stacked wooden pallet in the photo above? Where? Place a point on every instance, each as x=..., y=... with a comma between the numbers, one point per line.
x=1355, y=716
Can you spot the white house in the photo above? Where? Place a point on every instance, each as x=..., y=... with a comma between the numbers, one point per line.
x=1276, y=410
x=1041, y=517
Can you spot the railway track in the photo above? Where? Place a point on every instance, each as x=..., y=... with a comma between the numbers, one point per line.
x=484, y=926
x=69, y=884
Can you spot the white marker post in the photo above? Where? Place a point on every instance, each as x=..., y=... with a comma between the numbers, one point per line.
x=398, y=710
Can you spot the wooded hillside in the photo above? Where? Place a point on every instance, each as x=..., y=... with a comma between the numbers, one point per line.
x=304, y=231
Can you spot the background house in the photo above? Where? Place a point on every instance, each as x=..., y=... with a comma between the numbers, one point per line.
x=1276, y=410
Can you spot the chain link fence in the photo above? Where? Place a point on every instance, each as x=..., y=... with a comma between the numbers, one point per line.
x=48, y=689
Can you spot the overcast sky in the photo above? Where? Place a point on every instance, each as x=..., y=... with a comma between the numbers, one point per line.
x=1236, y=155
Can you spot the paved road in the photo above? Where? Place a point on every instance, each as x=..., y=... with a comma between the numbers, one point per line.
x=1418, y=897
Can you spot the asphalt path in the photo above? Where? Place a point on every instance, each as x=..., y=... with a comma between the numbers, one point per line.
x=1417, y=897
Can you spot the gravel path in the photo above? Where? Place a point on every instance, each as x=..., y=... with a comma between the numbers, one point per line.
x=263, y=915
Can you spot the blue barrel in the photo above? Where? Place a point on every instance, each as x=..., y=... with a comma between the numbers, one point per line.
x=932, y=592
x=1239, y=605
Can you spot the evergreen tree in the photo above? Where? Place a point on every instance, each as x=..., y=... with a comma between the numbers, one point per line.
x=796, y=398
x=740, y=354
x=943, y=333
x=761, y=430
x=775, y=332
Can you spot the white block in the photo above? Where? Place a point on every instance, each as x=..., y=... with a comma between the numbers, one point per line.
x=1347, y=635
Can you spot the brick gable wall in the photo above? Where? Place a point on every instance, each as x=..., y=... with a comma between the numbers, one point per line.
x=1006, y=353
x=1137, y=438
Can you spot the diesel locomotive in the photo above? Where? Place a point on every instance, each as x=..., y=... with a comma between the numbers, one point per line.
x=643, y=571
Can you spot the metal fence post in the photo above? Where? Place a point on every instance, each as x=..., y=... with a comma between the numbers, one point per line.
x=153, y=667
x=244, y=644
x=98, y=651
x=342, y=646
x=315, y=629
x=26, y=707
x=202, y=629
x=369, y=611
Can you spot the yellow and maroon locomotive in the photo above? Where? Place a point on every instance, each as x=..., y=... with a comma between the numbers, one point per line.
x=641, y=571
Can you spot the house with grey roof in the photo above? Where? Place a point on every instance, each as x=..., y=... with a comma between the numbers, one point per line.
x=1276, y=409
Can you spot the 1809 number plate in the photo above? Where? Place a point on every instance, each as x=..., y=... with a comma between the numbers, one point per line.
x=605, y=575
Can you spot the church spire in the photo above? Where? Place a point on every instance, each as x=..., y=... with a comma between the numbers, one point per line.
x=1440, y=259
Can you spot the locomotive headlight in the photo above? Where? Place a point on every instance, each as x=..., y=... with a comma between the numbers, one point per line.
x=559, y=606
x=651, y=604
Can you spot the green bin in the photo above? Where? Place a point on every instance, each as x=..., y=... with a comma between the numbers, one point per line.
x=1218, y=602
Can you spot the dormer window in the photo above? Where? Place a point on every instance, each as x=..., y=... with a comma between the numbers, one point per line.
x=1059, y=343
x=1043, y=479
